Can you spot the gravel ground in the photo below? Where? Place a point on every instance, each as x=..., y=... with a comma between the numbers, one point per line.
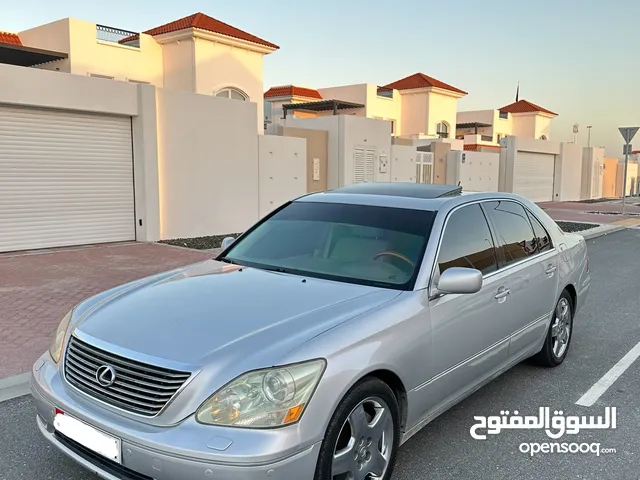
x=576, y=226
x=200, y=243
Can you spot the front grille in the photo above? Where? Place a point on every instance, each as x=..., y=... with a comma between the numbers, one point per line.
x=109, y=466
x=138, y=387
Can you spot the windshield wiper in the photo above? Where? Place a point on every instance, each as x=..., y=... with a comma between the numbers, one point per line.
x=274, y=269
x=226, y=260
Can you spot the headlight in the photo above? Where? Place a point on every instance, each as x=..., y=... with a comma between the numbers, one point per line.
x=56, y=345
x=267, y=398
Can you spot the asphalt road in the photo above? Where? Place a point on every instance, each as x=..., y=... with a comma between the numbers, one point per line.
x=605, y=330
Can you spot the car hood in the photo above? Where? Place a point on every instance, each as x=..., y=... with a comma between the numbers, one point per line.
x=213, y=312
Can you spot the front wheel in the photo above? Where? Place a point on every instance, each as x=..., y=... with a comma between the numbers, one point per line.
x=556, y=345
x=363, y=435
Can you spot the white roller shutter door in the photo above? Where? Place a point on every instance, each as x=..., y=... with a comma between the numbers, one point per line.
x=533, y=176
x=66, y=178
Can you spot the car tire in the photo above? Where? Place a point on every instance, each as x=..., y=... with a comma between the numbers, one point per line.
x=559, y=334
x=355, y=441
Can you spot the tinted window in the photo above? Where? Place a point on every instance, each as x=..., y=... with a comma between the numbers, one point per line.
x=515, y=236
x=353, y=243
x=467, y=241
x=543, y=241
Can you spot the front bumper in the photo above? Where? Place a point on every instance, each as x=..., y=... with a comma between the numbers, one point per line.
x=185, y=451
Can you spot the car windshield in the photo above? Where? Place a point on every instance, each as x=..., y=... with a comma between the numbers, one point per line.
x=379, y=246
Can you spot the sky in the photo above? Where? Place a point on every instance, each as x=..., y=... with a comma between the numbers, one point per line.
x=578, y=58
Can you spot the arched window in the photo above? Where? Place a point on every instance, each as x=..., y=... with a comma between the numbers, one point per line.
x=232, y=93
x=442, y=129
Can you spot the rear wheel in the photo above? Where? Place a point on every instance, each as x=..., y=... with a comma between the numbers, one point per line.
x=556, y=345
x=363, y=435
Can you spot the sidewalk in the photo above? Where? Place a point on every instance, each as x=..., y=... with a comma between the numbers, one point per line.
x=37, y=289
x=602, y=213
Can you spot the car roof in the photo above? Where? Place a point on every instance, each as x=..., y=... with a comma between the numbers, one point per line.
x=400, y=189
x=403, y=195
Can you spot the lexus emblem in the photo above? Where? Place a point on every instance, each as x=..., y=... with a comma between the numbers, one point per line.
x=106, y=375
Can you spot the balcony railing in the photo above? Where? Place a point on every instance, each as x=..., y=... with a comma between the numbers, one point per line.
x=117, y=36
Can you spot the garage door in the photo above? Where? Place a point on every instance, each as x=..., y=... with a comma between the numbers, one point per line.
x=533, y=176
x=65, y=179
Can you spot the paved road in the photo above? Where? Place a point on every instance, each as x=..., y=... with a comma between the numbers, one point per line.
x=606, y=330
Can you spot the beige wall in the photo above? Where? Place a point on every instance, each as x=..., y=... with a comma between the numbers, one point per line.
x=345, y=134
x=403, y=163
x=317, y=145
x=441, y=108
x=42, y=88
x=179, y=65
x=219, y=66
x=414, y=113
x=609, y=177
x=208, y=165
x=632, y=176
x=476, y=171
x=567, y=182
x=346, y=93
x=89, y=55
x=52, y=36
x=532, y=125
x=592, y=172
x=440, y=152
x=282, y=167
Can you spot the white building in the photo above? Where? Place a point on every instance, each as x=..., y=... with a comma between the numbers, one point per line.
x=417, y=106
x=480, y=128
x=198, y=54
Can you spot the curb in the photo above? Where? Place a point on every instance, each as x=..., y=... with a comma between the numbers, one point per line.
x=602, y=233
x=14, y=387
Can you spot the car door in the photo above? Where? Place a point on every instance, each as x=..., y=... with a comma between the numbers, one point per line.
x=528, y=255
x=470, y=331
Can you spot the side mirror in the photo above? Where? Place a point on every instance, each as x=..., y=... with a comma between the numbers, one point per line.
x=460, y=280
x=226, y=242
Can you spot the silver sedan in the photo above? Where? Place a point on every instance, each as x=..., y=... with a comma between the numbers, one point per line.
x=315, y=344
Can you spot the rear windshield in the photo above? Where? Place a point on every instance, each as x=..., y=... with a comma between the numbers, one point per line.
x=378, y=246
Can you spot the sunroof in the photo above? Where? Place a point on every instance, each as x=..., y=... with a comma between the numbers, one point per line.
x=414, y=190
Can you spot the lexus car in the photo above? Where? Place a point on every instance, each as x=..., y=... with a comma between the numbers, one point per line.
x=317, y=342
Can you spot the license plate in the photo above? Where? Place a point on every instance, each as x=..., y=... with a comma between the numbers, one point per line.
x=88, y=436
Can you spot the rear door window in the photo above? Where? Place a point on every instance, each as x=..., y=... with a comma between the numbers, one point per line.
x=515, y=236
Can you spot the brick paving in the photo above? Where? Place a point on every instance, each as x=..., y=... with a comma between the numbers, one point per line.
x=579, y=212
x=37, y=289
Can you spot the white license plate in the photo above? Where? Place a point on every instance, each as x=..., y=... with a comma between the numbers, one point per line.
x=88, y=436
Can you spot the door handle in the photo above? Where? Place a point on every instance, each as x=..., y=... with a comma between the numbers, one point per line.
x=502, y=294
x=551, y=269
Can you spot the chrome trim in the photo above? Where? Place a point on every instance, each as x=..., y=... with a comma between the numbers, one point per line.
x=194, y=371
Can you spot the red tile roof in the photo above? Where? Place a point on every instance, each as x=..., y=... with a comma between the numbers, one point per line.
x=204, y=22
x=476, y=147
x=524, y=106
x=292, y=91
x=9, y=38
x=420, y=80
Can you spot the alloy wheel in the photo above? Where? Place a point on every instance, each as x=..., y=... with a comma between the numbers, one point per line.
x=365, y=443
